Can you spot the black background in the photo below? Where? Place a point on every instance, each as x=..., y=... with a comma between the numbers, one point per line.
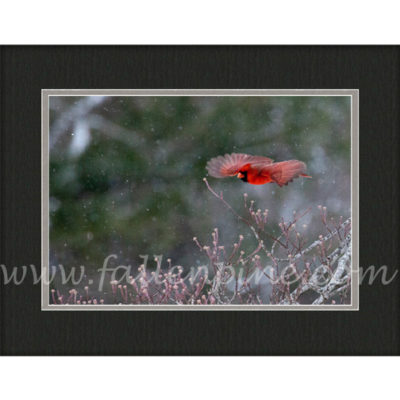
x=26, y=330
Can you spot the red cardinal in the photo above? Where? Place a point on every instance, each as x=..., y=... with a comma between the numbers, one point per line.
x=256, y=170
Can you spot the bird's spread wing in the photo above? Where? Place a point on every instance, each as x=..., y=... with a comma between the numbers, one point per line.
x=284, y=172
x=231, y=164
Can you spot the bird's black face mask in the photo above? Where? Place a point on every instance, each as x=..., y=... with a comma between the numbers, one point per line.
x=242, y=176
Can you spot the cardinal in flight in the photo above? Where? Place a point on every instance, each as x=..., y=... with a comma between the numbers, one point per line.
x=256, y=170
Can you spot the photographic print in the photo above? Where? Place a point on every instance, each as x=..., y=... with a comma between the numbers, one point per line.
x=200, y=199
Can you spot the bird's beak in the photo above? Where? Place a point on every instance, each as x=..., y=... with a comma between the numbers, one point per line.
x=240, y=175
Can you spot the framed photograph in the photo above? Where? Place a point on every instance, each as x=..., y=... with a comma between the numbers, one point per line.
x=134, y=219
x=186, y=200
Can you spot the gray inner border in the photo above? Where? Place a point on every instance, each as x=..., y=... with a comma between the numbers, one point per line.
x=353, y=93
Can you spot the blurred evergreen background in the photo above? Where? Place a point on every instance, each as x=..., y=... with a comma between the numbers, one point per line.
x=126, y=172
